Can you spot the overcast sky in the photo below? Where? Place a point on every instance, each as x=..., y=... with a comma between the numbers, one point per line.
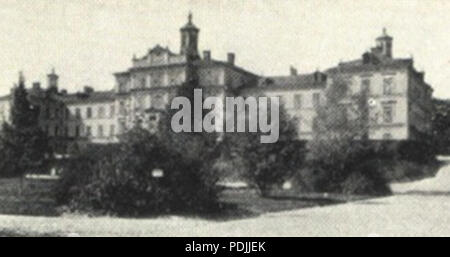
x=86, y=41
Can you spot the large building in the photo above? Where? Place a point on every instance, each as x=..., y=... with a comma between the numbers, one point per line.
x=401, y=110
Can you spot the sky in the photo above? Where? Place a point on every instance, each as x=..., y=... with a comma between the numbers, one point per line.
x=87, y=41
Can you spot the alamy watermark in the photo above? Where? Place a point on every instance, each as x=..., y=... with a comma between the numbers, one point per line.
x=232, y=117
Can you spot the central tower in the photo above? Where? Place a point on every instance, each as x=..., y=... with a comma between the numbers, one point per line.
x=189, y=39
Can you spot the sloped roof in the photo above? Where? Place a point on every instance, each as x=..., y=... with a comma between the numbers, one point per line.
x=85, y=98
x=301, y=81
x=5, y=97
x=358, y=65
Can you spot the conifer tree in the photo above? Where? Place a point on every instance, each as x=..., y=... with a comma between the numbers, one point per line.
x=23, y=144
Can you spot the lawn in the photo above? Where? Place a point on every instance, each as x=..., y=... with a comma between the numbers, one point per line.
x=34, y=197
x=26, y=197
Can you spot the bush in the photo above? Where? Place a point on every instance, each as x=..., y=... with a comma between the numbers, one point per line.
x=119, y=180
x=366, y=180
x=340, y=157
x=266, y=165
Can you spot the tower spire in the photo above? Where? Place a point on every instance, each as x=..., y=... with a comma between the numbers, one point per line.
x=189, y=39
x=190, y=17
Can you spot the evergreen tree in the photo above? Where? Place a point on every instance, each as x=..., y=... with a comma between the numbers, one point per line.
x=23, y=144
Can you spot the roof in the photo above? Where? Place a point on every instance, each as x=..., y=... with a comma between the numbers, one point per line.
x=198, y=62
x=189, y=25
x=301, y=81
x=358, y=65
x=5, y=97
x=84, y=98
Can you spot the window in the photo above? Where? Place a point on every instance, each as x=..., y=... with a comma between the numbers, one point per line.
x=88, y=131
x=112, y=131
x=89, y=112
x=387, y=114
x=158, y=101
x=101, y=112
x=100, y=131
x=112, y=110
x=122, y=127
x=140, y=102
x=77, y=113
x=77, y=131
x=316, y=99
x=298, y=101
x=298, y=120
x=122, y=109
x=348, y=84
x=388, y=86
x=56, y=113
x=56, y=131
x=149, y=81
x=387, y=136
x=365, y=86
x=67, y=111
x=66, y=131
x=315, y=123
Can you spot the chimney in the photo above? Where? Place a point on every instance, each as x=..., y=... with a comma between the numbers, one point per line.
x=366, y=58
x=88, y=89
x=293, y=71
x=230, y=58
x=319, y=77
x=207, y=55
x=421, y=75
x=36, y=86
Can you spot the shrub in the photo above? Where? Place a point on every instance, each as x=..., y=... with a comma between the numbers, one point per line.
x=267, y=165
x=119, y=179
x=340, y=157
x=366, y=179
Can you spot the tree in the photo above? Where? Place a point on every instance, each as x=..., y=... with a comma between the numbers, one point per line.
x=140, y=175
x=441, y=124
x=266, y=164
x=24, y=145
x=340, y=150
x=193, y=146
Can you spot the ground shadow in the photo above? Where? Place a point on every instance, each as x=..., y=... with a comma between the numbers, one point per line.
x=425, y=193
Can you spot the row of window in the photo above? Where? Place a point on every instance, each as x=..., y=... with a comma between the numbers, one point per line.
x=387, y=116
x=388, y=86
x=78, y=132
x=298, y=100
x=157, y=101
x=55, y=113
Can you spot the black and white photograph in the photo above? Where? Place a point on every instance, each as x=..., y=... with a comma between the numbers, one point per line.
x=190, y=118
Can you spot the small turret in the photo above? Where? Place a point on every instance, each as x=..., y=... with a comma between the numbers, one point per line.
x=384, y=45
x=53, y=81
x=189, y=39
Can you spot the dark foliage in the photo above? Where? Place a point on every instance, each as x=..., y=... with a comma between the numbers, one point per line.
x=340, y=158
x=23, y=144
x=266, y=165
x=120, y=179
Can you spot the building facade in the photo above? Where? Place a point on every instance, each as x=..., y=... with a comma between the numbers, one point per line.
x=401, y=111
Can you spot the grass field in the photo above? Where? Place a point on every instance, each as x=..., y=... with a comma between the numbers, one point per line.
x=26, y=197
x=34, y=197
